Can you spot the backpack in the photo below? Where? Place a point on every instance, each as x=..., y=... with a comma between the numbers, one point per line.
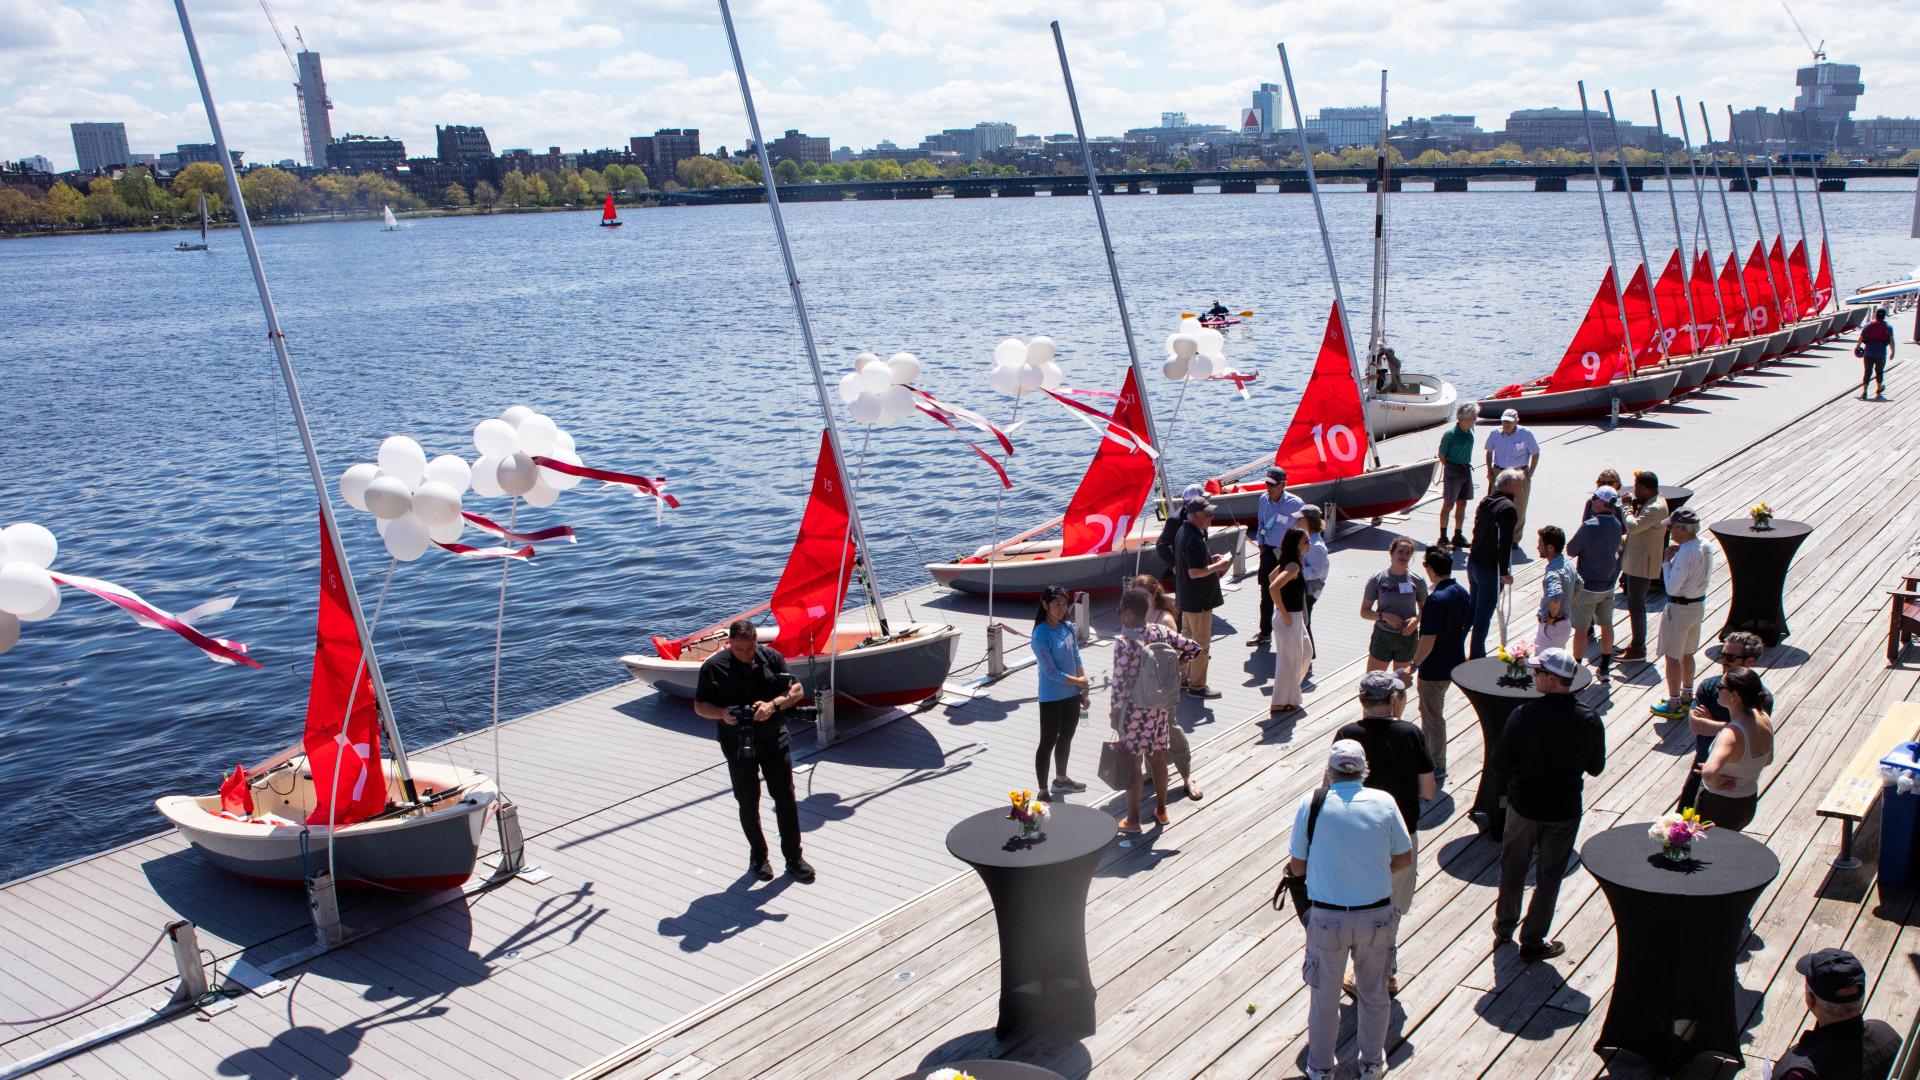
x=1157, y=684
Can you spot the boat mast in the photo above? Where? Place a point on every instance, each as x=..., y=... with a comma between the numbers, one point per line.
x=203, y=217
x=1780, y=219
x=327, y=522
x=1633, y=210
x=1800, y=214
x=1113, y=267
x=806, y=324
x=1377, y=338
x=1326, y=241
x=1700, y=209
x=1606, y=228
x=1679, y=236
x=1753, y=201
x=1819, y=204
x=1726, y=209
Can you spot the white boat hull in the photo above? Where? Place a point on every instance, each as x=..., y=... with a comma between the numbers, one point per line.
x=908, y=667
x=1024, y=570
x=1431, y=405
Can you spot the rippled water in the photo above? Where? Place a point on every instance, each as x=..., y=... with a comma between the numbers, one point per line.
x=141, y=418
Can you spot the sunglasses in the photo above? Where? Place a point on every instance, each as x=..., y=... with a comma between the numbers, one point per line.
x=1736, y=658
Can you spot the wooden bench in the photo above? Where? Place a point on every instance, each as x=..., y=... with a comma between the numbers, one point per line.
x=1857, y=789
x=1905, y=617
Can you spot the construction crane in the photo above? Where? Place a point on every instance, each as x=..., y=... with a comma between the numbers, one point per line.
x=1819, y=51
x=299, y=92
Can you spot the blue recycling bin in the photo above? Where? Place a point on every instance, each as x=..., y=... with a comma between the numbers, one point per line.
x=1900, y=816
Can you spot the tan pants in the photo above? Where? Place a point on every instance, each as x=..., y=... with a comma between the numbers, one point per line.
x=1198, y=625
x=1407, y=878
x=1520, y=494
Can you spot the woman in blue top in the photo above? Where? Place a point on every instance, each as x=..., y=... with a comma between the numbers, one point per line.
x=1063, y=683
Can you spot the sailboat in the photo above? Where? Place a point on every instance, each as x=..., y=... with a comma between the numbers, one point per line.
x=188, y=245
x=1419, y=401
x=858, y=661
x=609, y=219
x=388, y=224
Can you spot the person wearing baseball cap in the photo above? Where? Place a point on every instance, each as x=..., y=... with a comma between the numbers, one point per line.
x=1547, y=746
x=1348, y=839
x=1273, y=515
x=1398, y=763
x=1176, y=517
x=1595, y=550
x=1196, y=586
x=1842, y=1043
x=1514, y=447
x=1686, y=572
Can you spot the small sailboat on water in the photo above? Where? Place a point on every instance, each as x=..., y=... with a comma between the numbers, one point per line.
x=609, y=219
x=188, y=245
x=387, y=222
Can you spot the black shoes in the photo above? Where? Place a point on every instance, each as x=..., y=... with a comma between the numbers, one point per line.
x=760, y=868
x=1460, y=539
x=1546, y=950
x=801, y=870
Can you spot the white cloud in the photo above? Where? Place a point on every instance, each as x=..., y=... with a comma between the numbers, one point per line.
x=634, y=65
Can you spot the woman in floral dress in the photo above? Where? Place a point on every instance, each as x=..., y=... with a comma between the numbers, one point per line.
x=1142, y=732
x=1160, y=610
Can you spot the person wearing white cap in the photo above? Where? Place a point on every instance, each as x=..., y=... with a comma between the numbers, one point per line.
x=1687, y=571
x=1348, y=839
x=1514, y=447
x=1595, y=549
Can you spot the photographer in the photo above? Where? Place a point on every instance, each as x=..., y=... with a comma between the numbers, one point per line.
x=745, y=687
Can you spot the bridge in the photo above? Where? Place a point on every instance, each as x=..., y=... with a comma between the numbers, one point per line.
x=1440, y=178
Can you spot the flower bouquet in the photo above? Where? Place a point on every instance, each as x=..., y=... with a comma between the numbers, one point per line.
x=1028, y=810
x=1762, y=515
x=1676, y=832
x=950, y=1074
x=1515, y=656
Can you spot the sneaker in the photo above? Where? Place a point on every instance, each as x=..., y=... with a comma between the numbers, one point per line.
x=1671, y=708
x=1320, y=1074
x=1258, y=641
x=1546, y=950
x=1068, y=783
x=1459, y=539
x=1206, y=692
x=1372, y=1072
x=1628, y=652
x=801, y=870
x=1442, y=542
x=760, y=868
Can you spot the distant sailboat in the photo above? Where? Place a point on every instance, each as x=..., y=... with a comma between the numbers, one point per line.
x=609, y=219
x=388, y=224
x=188, y=245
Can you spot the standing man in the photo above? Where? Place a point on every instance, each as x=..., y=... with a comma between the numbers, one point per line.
x=1456, y=476
x=1841, y=1043
x=1548, y=744
x=1875, y=349
x=1274, y=514
x=1558, y=586
x=1490, y=560
x=1196, y=585
x=1514, y=447
x=1688, y=572
x=1742, y=648
x=1595, y=548
x=1398, y=763
x=1362, y=841
x=1319, y=564
x=1171, y=530
x=1443, y=646
x=1646, y=520
x=1391, y=601
x=753, y=678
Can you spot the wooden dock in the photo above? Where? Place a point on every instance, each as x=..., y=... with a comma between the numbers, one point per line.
x=649, y=937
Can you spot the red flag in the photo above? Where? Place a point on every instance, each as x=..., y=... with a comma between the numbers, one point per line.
x=1640, y=334
x=1782, y=282
x=236, y=796
x=1328, y=436
x=1706, y=303
x=1739, y=319
x=1671, y=295
x=1823, y=281
x=1760, y=290
x=1592, y=357
x=1108, y=500
x=1802, y=281
x=343, y=747
x=806, y=602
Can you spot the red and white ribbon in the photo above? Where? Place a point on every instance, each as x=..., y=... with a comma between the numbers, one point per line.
x=538, y=536
x=1239, y=381
x=947, y=414
x=470, y=552
x=1112, y=429
x=643, y=485
x=219, y=650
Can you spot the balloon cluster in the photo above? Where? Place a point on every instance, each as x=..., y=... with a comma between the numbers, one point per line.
x=416, y=501
x=876, y=390
x=1195, y=352
x=1022, y=367
x=508, y=444
x=27, y=592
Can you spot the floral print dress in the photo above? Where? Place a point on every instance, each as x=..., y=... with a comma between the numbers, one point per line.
x=1141, y=730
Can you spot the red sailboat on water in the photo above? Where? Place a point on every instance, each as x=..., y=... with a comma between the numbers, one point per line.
x=609, y=219
x=1596, y=370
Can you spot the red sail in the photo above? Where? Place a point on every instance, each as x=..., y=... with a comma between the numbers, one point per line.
x=1594, y=354
x=236, y=797
x=606, y=212
x=1802, y=280
x=1706, y=303
x=1823, y=281
x=342, y=740
x=1108, y=501
x=1671, y=295
x=807, y=600
x=1640, y=334
x=1328, y=436
x=1739, y=319
x=1760, y=289
x=1782, y=282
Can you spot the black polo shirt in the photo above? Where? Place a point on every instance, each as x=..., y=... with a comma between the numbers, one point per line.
x=1855, y=1049
x=1397, y=756
x=726, y=682
x=1190, y=553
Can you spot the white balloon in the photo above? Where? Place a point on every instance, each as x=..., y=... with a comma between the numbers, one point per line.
x=1212, y=342
x=875, y=378
x=866, y=408
x=564, y=445
x=560, y=481
x=1176, y=368
x=353, y=484
x=406, y=538
x=402, y=458
x=46, y=610
x=896, y=403
x=849, y=386
x=518, y=474
x=30, y=543
x=3, y=547
x=436, y=503
x=541, y=493
x=388, y=497
x=486, y=482
x=1031, y=377
x=1190, y=325
x=1005, y=379
x=860, y=362
x=495, y=438
x=1201, y=367
x=516, y=413
x=1039, y=350
x=25, y=588
x=538, y=434
x=1052, y=376
x=9, y=631
x=905, y=367
x=1183, y=346
x=451, y=470
x=1010, y=351
x=445, y=534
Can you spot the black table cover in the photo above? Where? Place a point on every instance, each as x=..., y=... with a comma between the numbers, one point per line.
x=1039, y=889
x=1492, y=704
x=1675, y=495
x=990, y=1069
x=1679, y=927
x=1757, y=562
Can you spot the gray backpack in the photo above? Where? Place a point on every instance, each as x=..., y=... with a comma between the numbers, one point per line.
x=1157, y=684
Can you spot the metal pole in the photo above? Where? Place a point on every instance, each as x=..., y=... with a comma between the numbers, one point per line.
x=1326, y=240
x=1700, y=209
x=1633, y=210
x=1773, y=192
x=327, y=523
x=1679, y=236
x=1800, y=215
x=1759, y=227
x=1113, y=266
x=1377, y=336
x=1606, y=226
x=1726, y=210
x=806, y=325
x=1819, y=206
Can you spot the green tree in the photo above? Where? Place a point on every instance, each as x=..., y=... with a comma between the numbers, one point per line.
x=63, y=205
x=104, y=206
x=573, y=189
x=18, y=210
x=596, y=182
x=485, y=194
x=270, y=191
x=138, y=190
x=921, y=169
x=198, y=178
x=1183, y=163
x=888, y=169
x=787, y=172
x=1431, y=157
x=455, y=196
x=1911, y=157
x=748, y=170
x=538, y=191
x=514, y=190
x=701, y=173
x=810, y=171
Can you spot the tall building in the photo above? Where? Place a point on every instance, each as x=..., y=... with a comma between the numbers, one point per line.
x=1266, y=102
x=1174, y=120
x=317, y=129
x=1828, y=95
x=1538, y=129
x=459, y=144
x=1357, y=125
x=187, y=153
x=796, y=146
x=99, y=145
x=659, y=155
x=366, y=153
x=37, y=163
x=971, y=144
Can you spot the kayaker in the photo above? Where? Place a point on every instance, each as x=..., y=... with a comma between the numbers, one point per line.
x=1217, y=311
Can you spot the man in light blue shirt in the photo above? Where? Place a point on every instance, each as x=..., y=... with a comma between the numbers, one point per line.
x=1361, y=841
x=1274, y=514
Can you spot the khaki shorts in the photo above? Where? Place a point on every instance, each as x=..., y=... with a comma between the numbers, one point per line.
x=1591, y=608
x=1680, y=629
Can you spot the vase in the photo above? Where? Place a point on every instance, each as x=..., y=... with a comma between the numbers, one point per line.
x=1028, y=829
x=1677, y=852
x=1763, y=524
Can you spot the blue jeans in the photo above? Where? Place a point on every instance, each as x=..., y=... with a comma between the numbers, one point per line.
x=1483, y=583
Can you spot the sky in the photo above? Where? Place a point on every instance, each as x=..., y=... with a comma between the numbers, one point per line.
x=585, y=74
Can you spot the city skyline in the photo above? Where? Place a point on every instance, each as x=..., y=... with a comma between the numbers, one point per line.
x=569, y=75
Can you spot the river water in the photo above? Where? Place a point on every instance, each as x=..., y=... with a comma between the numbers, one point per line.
x=142, y=420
